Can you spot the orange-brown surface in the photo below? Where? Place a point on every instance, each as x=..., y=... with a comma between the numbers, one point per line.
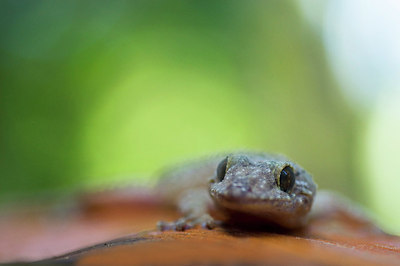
x=118, y=228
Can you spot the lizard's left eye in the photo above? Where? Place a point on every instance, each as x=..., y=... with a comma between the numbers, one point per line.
x=221, y=169
x=286, y=179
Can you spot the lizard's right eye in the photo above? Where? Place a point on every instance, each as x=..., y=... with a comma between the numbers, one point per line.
x=221, y=169
x=286, y=179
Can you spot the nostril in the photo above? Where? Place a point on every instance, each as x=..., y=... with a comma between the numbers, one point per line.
x=302, y=201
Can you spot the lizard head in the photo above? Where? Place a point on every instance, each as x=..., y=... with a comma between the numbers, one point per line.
x=263, y=187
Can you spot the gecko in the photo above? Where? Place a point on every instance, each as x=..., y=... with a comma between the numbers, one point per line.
x=240, y=188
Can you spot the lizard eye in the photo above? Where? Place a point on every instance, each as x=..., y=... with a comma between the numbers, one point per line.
x=286, y=179
x=221, y=169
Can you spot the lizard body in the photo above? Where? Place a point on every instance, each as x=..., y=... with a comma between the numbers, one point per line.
x=244, y=187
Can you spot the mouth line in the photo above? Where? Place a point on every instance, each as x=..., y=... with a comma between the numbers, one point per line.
x=245, y=200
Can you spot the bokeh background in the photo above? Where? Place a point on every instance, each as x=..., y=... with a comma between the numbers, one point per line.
x=100, y=94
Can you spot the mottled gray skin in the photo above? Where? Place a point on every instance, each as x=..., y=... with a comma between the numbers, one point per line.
x=248, y=193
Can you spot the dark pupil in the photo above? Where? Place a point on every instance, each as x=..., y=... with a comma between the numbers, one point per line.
x=221, y=169
x=286, y=179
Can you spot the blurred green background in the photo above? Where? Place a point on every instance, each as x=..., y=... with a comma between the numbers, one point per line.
x=101, y=93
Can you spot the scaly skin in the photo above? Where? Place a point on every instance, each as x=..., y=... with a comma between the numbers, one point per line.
x=244, y=187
